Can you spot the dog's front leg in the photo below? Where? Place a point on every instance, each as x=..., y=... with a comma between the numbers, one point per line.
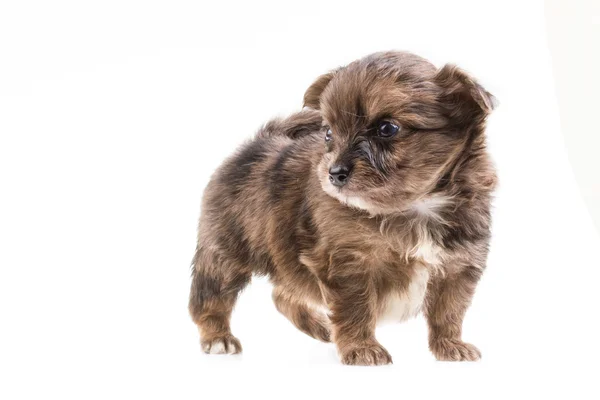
x=448, y=298
x=352, y=301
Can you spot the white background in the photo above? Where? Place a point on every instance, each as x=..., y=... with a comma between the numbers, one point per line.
x=113, y=115
x=574, y=41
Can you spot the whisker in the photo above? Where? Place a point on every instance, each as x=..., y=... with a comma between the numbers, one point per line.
x=356, y=115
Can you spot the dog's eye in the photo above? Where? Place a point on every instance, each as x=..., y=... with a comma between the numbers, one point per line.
x=387, y=129
x=328, y=135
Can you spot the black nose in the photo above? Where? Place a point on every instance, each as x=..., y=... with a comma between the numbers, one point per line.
x=338, y=175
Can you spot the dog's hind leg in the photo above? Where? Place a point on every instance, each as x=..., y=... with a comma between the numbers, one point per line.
x=310, y=321
x=214, y=291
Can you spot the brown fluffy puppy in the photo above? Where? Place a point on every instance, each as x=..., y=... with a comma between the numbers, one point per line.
x=373, y=202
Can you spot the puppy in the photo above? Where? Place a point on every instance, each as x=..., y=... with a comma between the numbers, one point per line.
x=372, y=203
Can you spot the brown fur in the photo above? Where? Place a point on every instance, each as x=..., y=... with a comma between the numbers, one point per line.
x=416, y=208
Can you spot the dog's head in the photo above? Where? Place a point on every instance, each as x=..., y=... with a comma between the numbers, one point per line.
x=393, y=127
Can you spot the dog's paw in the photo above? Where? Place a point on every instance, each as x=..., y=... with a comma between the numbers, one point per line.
x=366, y=354
x=228, y=344
x=454, y=350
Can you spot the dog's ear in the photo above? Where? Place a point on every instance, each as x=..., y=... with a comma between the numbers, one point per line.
x=462, y=95
x=312, y=96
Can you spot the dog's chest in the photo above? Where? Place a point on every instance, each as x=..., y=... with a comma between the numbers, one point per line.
x=400, y=305
x=425, y=258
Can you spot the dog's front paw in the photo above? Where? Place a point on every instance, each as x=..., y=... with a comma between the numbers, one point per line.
x=227, y=344
x=366, y=354
x=454, y=350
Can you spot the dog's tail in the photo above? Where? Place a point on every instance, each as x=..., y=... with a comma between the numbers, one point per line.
x=295, y=126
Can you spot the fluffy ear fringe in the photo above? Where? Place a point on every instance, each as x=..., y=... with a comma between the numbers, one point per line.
x=312, y=96
x=457, y=82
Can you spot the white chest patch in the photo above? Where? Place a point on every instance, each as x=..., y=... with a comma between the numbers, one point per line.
x=400, y=306
x=430, y=207
x=426, y=251
x=424, y=248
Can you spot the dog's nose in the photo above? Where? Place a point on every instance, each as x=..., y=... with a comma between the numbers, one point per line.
x=338, y=175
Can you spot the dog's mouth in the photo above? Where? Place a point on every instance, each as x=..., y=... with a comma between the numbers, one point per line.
x=348, y=197
x=363, y=201
x=346, y=192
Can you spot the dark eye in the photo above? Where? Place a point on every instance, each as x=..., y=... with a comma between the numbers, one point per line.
x=328, y=136
x=387, y=129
